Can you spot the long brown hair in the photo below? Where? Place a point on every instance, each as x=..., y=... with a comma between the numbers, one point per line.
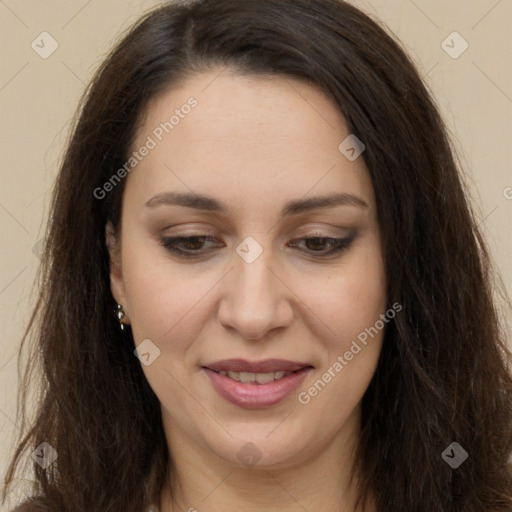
x=443, y=372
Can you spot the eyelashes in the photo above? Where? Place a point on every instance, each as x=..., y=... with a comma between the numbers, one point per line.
x=172, y=244
x=337, y=245
x=192, y=246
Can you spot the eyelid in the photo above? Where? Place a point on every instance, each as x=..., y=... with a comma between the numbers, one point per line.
x=303, y=231
x=338, y=244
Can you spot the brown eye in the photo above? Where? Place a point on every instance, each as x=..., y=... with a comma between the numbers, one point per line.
x=193, y=246
x=318, y=244
x=187, y=245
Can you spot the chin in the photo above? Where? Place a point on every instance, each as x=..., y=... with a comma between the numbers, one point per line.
x=272, y=446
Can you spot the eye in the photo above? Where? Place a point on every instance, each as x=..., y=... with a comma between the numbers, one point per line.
x=316, y=245
x=193, y=245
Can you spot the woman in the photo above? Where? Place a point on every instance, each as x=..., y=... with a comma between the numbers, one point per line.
x=263, y=285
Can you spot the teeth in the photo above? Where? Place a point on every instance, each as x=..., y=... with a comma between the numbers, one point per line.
x=260, y=378
x=265, y=378
x=247, y=377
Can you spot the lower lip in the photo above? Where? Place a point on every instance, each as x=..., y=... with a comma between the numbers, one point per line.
x=253, y=395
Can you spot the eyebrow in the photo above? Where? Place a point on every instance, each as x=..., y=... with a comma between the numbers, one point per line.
x=294, y=207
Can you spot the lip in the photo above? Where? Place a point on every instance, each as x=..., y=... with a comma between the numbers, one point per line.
x=251, y=395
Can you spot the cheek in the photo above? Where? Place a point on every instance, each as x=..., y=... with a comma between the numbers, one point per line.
x=352, y=296
x=157, y=297
x=162, y=302
x=351, y=304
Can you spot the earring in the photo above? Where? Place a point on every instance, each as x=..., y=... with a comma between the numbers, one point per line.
x=120, y=315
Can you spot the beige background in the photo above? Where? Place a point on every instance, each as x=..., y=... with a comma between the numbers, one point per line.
x=38, y=97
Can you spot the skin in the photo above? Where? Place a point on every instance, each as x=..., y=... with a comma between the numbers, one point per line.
x=253, y=143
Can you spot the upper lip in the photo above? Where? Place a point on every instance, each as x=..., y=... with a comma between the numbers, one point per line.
x=263, y=366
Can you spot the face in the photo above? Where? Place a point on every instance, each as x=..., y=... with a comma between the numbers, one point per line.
x=231, y=259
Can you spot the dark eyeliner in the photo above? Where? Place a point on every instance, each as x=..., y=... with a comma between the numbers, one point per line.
x=170, y=244
x=338, y=245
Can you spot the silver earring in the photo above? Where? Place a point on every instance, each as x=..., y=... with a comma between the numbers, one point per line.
x=120, y=315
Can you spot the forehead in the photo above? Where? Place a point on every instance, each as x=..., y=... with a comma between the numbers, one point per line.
x=254, y=109
x=269, y=136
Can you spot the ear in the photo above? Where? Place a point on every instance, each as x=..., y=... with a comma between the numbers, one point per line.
x=116, y=275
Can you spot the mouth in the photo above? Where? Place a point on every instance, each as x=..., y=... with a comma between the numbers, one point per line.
x=256, y=384
x=255, y=378
x=256, y=372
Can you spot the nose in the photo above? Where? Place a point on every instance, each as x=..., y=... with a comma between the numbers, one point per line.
x=256, y=299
